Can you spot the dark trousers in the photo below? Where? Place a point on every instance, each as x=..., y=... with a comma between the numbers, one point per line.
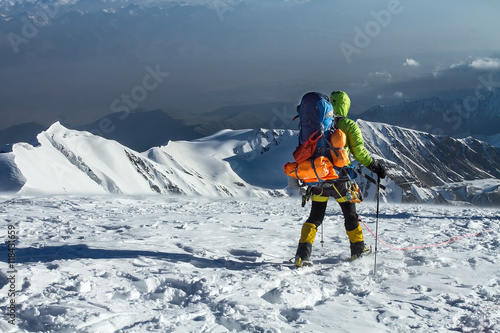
x=318, y=209
x=315, y=219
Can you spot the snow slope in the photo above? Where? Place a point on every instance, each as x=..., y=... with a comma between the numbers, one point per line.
x=179, y=264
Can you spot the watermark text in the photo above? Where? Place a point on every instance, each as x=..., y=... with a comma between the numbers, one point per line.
x=11, y=273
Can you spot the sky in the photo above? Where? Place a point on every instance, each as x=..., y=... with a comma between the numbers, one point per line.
x=78, y=60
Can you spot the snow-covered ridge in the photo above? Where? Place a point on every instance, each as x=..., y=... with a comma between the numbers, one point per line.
x=422, y=164
x=421, y=167
x=69, y=161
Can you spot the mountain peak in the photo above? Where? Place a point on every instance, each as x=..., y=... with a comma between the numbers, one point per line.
x=55, y=128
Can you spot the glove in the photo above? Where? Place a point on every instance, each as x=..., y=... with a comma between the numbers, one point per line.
x=377, y=168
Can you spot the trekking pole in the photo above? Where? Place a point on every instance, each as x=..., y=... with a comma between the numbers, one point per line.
x=376, y=226
x=322, y=232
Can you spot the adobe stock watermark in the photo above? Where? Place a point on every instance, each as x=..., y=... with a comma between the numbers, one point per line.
x=372, y=29
x=486, y=85
x=32, y=24
x=11, y=308
x=128, y=101
x=470, y=104
x=282, y=119
x=223, y=6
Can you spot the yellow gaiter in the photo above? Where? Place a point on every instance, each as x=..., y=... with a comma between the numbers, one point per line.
x=308, y=233
x=355, y=235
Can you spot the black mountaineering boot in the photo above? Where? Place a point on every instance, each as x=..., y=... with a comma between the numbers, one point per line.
x=304, y=250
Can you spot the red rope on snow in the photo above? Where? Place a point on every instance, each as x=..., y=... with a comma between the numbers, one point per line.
x=453, y=239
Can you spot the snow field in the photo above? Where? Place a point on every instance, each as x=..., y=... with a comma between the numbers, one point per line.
x=193, y=264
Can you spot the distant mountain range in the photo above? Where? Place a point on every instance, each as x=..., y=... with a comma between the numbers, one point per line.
x=421, y=167
x=145, y=129
x=470, y=116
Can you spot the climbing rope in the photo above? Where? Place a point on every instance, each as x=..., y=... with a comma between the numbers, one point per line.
x=453, y=239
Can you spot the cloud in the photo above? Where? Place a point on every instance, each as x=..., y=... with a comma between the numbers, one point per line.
x=376, y=78
x=383, y=76
x=471, y=67
x=458, y=65
x=411, y=63
x=485, y=63
x=397, y=94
